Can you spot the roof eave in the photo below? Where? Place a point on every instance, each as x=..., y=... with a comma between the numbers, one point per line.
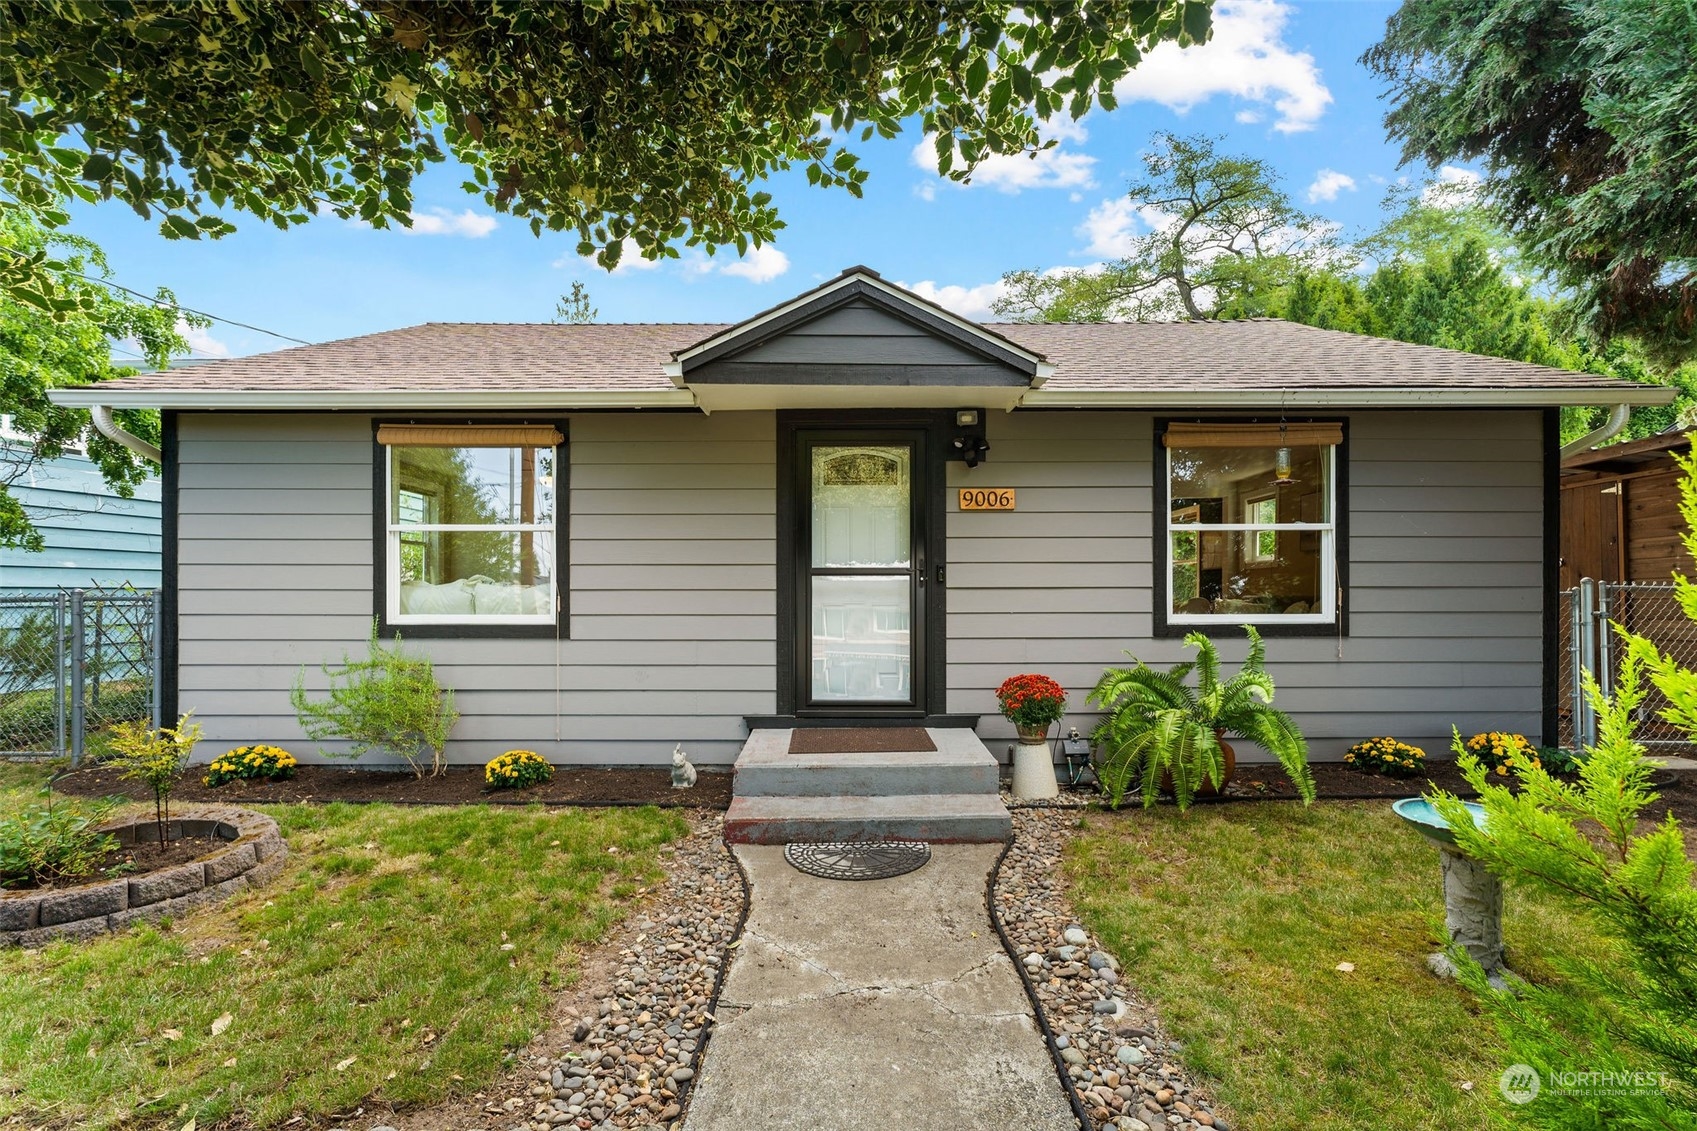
x=87, y=396
x=1405, y=397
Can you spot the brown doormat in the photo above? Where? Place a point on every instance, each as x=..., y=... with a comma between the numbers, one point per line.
x=859, y=740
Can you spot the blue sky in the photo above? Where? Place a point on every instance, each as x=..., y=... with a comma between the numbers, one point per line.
x=1279, y=81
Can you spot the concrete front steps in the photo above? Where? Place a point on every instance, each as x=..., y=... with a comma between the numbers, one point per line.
x=944, y=796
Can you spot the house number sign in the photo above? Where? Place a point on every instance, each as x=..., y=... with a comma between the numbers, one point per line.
x=986, y=498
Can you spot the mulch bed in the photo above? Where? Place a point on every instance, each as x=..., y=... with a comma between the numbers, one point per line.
x=138, y=861
x=458, y=785
x=1678, y=788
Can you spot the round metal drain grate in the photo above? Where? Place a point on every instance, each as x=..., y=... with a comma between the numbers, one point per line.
x=858, y=860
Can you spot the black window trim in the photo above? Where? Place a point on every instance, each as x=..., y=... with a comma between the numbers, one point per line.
x=560, y=629
x=1161, y=489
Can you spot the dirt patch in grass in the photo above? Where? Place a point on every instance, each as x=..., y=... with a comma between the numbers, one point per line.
x=458, y=785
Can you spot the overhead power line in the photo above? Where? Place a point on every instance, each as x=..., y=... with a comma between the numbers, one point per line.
x=179, y=306
x=191, y=310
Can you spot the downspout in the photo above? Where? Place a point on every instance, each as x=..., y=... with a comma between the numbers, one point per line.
x=106, y=426
x=1616, y=421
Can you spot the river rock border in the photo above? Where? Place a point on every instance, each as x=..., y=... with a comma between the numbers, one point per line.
x=255, y=855
x=1123, y=1068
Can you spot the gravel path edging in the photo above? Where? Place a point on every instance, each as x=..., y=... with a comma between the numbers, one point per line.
x=712, y=1013
x=1115, y=1057
x=1078, y=1110
x=656, y=989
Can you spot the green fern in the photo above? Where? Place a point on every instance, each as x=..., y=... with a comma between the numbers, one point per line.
x=1155, y=724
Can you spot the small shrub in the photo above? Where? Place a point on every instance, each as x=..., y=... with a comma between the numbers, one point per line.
x=156, y=758
x=1385, y=756
x=388, y=701
x=517, y=769
x=1501, y=752
x=1559, y=759
x=251, y=763
x=47, y=843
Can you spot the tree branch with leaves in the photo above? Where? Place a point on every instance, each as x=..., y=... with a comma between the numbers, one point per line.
x=1221, y=233
x=617, y=120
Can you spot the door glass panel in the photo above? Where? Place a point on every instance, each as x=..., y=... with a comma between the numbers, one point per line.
x=861, y=639
x=861, y=516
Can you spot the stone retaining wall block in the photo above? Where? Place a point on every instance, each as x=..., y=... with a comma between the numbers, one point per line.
x=230, y=862
x=266, y=872
x=20, y=913
x=151, y=913
x=94, y=902
x=159, y=886
x=268, y=845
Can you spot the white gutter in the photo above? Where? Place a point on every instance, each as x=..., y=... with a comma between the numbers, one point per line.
x=1611, y=427
x=106, y=426
x=1391, y=397
x=387, y=400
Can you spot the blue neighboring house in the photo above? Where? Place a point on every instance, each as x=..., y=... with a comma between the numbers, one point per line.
x=93, y=536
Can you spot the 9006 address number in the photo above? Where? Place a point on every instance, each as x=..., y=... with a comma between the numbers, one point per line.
x=986, y=499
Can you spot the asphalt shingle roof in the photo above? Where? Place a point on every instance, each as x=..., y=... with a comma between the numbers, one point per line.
x=1110, y=356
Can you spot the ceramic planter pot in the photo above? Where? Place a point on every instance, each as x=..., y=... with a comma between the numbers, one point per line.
x=1034, y=766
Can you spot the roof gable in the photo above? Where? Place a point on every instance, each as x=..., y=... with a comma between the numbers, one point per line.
x=858, y=330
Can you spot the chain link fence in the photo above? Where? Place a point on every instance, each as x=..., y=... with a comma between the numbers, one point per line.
x=72, y=663
x=1591, y=644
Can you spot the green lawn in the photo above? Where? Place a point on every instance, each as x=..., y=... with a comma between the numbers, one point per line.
x=1234, y=919
x=373, y=968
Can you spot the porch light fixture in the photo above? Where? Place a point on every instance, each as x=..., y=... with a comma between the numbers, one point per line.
x=969, y=442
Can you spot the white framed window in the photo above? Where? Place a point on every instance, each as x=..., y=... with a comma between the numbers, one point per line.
x=470, y=530
x=1251, y=523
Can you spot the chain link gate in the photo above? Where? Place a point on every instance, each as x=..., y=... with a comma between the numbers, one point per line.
x=1590, y=644
x=72, y=663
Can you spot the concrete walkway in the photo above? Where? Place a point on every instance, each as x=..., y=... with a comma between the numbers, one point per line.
x=871, y=1005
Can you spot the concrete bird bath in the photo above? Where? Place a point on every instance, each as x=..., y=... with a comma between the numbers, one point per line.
x=1473, y=897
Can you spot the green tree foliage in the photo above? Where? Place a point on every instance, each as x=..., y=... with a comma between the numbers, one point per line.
x=41, y=350
x=1224, y=235
x=1583, y=111
x=574, y=308
x=388, y=702
x=614, y=119
x=155, y=757
x=1597, y=845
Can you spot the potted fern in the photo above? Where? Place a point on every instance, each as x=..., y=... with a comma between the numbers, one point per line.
x=1163, y=734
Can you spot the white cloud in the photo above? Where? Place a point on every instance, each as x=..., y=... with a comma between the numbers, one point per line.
x=441, y=222
x=1113, y=224
x=201, y=341
x=630, y=259
x=1248, y=117
x=1015, y=172
x=1247, y=58
x=761, y=265
x=1327, y=184
x=968, y=302
x=1455, y=187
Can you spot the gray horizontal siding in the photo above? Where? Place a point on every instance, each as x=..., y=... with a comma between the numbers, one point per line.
x=1445, y=517
x=671, y=577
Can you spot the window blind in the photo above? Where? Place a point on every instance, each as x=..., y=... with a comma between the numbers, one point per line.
x=469, y=435
x=1182, y=435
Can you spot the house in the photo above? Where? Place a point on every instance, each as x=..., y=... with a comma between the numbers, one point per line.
x=1620, y=516
x=95, y=538
x=857, y=508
